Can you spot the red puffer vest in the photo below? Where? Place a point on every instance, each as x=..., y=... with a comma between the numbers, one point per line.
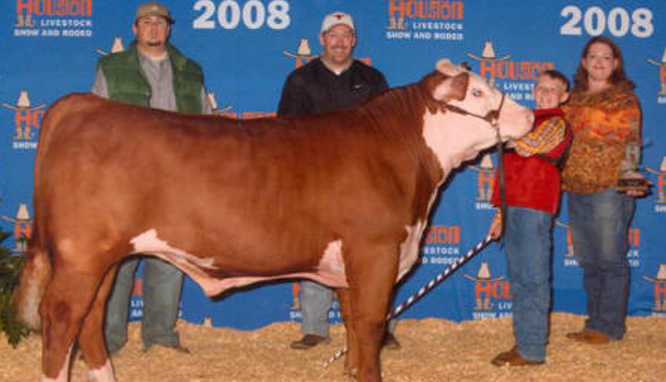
x=534, y=181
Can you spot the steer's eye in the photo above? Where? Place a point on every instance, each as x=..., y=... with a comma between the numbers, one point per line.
x=477, y=93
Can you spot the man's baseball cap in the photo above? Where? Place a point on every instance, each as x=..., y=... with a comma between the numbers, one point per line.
x=153, y=8
x=337, y=18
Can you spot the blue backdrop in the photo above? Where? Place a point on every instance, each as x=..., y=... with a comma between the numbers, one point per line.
x=49, y=48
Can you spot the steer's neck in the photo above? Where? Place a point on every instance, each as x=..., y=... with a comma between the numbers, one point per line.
x=396, y=118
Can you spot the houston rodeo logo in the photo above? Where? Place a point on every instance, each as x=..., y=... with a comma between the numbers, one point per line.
x=53, y=18
x=27, y=120
x=660, y=173
x=426, y=19
x=22, y=228
x=568, y=258
x=518, y=76
x=485, y=182
x=662, y=77
x=27, y=9
x=488, y=62
x=487, y=290
x=303, y=53
x=116, y=47
x=659, y=283
x=426, y=10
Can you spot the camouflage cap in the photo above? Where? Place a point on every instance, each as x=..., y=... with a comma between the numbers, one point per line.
x=153, y=8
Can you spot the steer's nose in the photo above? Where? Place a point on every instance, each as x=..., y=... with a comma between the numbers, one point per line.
x=516, y=125
x=530, y=118
x=529, y=122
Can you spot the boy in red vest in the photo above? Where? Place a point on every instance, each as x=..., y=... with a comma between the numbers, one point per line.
x=532, y=196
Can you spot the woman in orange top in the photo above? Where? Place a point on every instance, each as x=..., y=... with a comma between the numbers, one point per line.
x=602, y=179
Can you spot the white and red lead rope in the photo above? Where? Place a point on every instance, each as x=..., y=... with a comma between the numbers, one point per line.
x=425, y=289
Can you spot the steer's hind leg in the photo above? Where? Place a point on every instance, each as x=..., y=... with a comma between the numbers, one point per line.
x=65, y=303
x=371, y=272
x=351, y=360
x=91, y=339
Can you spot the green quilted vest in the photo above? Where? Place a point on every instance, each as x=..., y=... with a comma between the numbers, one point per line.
x=127, y=83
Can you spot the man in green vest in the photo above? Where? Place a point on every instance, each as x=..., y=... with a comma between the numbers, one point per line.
x=152, y=73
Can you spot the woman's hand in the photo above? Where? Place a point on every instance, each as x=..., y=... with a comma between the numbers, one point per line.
x=634, y=184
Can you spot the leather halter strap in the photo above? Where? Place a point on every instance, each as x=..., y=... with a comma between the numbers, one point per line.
x=492, y=117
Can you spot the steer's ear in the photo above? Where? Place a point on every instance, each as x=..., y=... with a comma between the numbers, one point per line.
x=452, y=88
x=445, y=66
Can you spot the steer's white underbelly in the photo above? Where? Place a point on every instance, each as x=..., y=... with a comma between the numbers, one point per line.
x=330, y=270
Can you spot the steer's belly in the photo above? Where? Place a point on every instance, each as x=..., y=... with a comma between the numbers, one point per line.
x=214, y=286
x=330, y=270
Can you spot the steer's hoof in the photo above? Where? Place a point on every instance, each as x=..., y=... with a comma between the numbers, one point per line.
x=351, y=373
x=390, y=342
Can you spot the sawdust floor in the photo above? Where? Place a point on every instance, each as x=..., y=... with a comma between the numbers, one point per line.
x=432, y=350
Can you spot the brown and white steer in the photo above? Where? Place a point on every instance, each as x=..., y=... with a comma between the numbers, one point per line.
x=342, y=198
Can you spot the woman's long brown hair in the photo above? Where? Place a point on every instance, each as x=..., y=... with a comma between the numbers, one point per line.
x=617, y=77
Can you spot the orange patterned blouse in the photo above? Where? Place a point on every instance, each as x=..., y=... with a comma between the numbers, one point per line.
x=604, y=124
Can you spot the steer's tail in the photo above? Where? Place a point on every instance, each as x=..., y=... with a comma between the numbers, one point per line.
x=34, y=276
x=38, y=269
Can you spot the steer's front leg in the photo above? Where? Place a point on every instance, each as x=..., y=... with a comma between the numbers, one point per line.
x=371, y=272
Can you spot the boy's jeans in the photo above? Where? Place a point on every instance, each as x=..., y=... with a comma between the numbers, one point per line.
x=528, y=245
x=599, y=226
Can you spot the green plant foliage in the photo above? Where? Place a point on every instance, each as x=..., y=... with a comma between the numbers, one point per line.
x=10, y=267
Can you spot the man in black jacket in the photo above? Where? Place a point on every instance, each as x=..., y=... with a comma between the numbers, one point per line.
x=333, y=81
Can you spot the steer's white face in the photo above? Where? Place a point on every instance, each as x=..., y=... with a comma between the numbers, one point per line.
x=455, y=137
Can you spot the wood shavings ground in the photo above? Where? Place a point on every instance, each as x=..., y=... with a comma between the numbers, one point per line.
x=432, y=350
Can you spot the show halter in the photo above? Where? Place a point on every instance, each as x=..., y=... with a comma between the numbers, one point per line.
x=492, y=117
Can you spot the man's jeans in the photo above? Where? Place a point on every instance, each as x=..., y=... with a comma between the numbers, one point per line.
x=162, y=283
x=599, y=226
x=528, y=246
x=316, y=301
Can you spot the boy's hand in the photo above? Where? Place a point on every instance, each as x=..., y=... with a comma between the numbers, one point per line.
x=495, y=230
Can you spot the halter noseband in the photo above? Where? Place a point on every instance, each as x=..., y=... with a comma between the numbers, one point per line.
x=492, y=117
